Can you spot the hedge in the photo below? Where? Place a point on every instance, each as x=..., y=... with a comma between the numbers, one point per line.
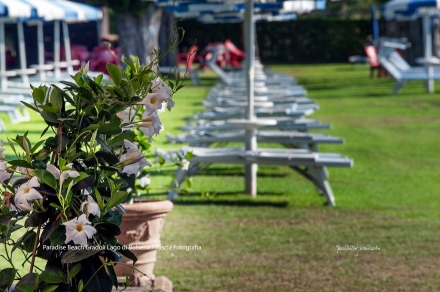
x=299, y=41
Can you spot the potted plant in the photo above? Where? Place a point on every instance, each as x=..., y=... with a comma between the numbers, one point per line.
x=60, y=194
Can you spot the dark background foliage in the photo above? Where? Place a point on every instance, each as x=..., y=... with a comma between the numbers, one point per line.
x=314, y=40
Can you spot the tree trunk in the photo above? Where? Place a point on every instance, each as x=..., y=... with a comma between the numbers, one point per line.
x=167, y=32
x=139, y=35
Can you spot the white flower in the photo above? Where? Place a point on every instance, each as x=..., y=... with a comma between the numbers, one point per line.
x=170, y=104
x=153, y=102
x=92, y=206
x=78, y=230
x=4, y=175
x=53, y=170
x=144, y=181
x=150, y=125
x=158, y=86
x=26, y=193
x=87, y=191
x=185, y=164
x=133, y=160
x=62, y=176
x=1, y=149
x=26, y=172
x=127, y=117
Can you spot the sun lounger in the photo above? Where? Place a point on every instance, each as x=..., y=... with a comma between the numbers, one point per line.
x=290, y=139
x=401, y=71
x=309, y=164
x=221, y=113
x=283, y=123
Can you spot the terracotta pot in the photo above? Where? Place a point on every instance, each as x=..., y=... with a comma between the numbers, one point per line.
x=141, y=227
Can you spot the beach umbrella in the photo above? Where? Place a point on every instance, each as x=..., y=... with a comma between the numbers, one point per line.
x=246, y=10
x=410, y=10
x=61, y=13
x=37, y=12
x=374, y=22
x=14, y=11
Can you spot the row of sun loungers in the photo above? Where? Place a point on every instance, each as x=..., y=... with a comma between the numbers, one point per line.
x=282, y=113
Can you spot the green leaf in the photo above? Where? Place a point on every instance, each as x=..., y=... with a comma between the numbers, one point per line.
x=80, y=285
x=116, y=199
x=29, y=242
x=32, y=220
x=35, y=147
x=113, y=216
x=115, y=73
x=129, y=63
x=127, y=253
x=7, y=277
x=108, y=157
x=38, y=94
x=5, y=219
x=49, y=108
x=50, y=118
x=112, y=127
x=84, y=181
x=118, y=140
x=51, y=276
x=28, y=281
x=161, y=160
x=56, y=206
x=30, y=106
x=58, y=236
x=68, y=83
x=50, y=288
x=21, y=163
x=188, y=183
x=75, y=269
x=73, y=256
x=90, y=128
x=56, y=99
x=188, y=155
x=112, y=274
x=95, y=276
x=96, y=88
x=29, y=235
x=98, y=78
x=24, y=288
x=47, y=178
x=108, y=228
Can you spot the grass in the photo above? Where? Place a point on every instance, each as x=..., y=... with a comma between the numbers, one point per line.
x=285, y=240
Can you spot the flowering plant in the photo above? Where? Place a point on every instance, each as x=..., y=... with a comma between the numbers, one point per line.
x=60, y=195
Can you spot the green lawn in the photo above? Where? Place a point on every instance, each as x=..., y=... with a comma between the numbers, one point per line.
x=285, y=239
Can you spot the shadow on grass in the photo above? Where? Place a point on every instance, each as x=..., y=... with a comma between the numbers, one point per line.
x=238, y=171
x=238, y=202
x=236, y=198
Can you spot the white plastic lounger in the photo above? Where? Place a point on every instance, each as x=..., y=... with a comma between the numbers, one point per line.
x=294, y=103
x=399, y=69
x=14, y=114
x=263, y=89
x=283, y=123
x=234, y=79
x=309, y=164
x=220, y=113
x=290, y=139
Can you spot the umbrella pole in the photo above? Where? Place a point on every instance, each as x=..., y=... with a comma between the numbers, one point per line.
x=56, y=50
x=22, y=48
x=4, y=78
x=67, y=48
x=40, y=36
x=428, y=48
x=251, y=140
